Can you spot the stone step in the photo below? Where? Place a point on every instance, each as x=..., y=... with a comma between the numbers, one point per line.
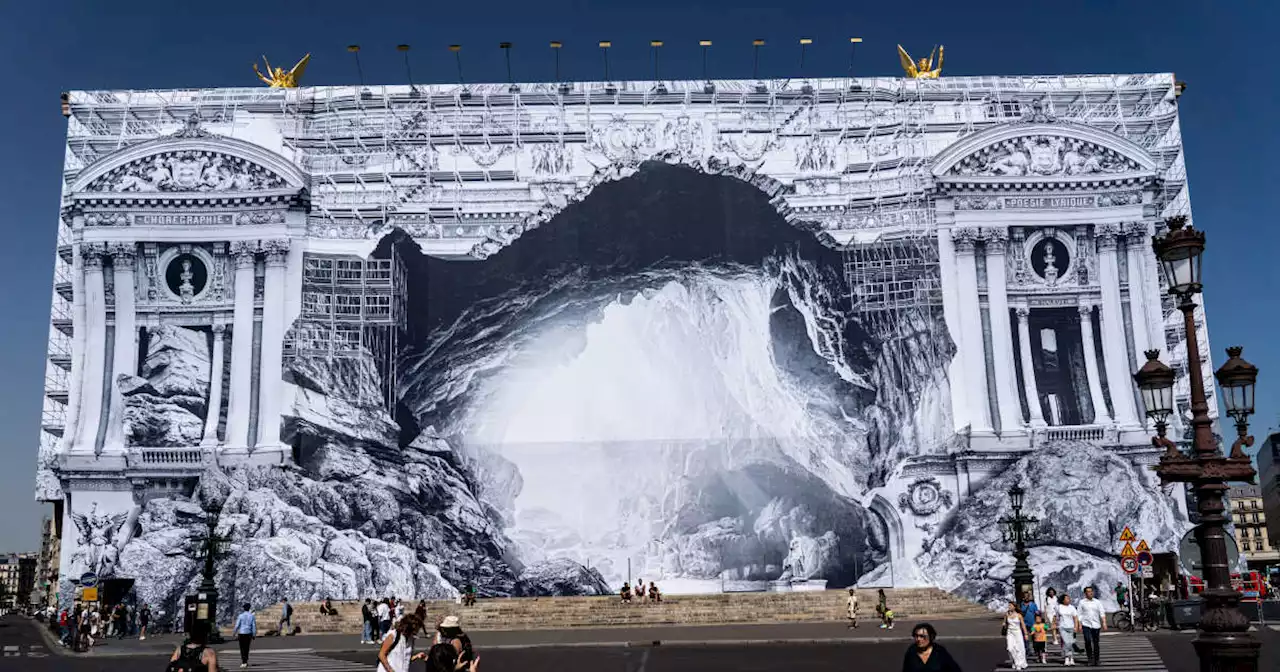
x=566, y=612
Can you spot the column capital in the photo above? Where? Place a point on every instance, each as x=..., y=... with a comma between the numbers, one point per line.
x=92, y=254
x=965, y=238
x=1085, y=310
x=1138, y=233
x=1107, y=235
x=244, y=252
x=219, y=328
x=997, y=240
x=1023, y=312
x=123, y=255
x=276, y=250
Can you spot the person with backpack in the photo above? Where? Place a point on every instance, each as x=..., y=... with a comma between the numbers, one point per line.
x=194, y=655
x=449, y=631
x=396, y=653
x=246, y=630
x=286, y=618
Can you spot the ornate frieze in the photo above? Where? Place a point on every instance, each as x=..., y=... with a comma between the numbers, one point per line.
x=624, y=142
x=1084, y=257
x=1119, y=199
x=925, y=497
x=218, y=282
x=979, y=203
x=551, y=159
x=106, y=219
x=815, y=155
x=1043, y=156
x=200, y=171
x=260, y=217
x=684, y=136
x=150, y=261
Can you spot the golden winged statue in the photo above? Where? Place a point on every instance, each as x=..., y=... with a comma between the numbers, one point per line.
x=923, y=68
x=277, y=78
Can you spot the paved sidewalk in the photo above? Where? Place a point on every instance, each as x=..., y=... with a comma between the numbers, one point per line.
x=668, y=635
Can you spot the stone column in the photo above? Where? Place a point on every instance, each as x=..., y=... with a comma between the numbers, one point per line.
x=76, y=387
x=1137, y=247
x=973, y=344
x=271, y=371
x=1114, y=347
x=1100, y=414
x=244, y=253
x=950, y=314
x=1002, y=331
x=1029, y=387
x=215, y=387
x=95, y=339
x=125, y=358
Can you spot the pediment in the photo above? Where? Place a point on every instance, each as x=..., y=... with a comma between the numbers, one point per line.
x=188, y=171
x=1036, y=151
x=191, y=162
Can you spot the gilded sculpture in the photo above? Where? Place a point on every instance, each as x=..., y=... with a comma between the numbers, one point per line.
x=277, y=78
x=923, y=68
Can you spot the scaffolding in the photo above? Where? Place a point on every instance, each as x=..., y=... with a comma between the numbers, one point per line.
x=351, y=308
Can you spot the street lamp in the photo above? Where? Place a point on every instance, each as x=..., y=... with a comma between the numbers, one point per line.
x=1224, y=642
x=207, y=592
x=1015, y=530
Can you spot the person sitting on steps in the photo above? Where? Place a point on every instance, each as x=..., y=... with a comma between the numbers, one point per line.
x=625, y=593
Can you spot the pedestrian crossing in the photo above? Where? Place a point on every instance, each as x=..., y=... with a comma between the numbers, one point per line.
x=293, y=660
x=24, y=651
x=1122, y=653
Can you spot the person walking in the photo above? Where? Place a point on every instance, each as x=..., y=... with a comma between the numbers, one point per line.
x=851, y=607
x=1093, y=620
x=383, y=612
x=286, y=618
x=1051, y=611
x=1015, y=637
x=396, y=653
x=144, y=619
x=1029, y=610
x=195, y=655
x=1068, y=624
x=924, y=655
x=246, y=630
x=1039, y=636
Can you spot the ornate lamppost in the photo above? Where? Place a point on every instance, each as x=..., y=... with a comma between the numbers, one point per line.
x=1017, y=529
x=1224, y=643
x=212, y=548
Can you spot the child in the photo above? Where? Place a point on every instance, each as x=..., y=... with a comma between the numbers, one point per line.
x=1039, y=635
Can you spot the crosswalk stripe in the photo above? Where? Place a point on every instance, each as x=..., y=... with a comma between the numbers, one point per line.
x=24, y=651
x=293, y=661
x=1123, y=654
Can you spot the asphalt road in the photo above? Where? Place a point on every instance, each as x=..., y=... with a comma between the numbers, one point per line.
x=23, y=650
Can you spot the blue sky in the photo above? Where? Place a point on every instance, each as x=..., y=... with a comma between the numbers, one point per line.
x=1224, y=50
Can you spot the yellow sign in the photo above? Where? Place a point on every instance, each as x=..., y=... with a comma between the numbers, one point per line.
x=1128, y=535
x=1128, y=551
x=89, y=595
x=1143, y=547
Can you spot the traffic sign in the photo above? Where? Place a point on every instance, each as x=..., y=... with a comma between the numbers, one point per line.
x=1145, y=558
x=1128, y=551
x=1129, y=565
x=1128, y=535
x=89, y=595
x=1142, y=546
x=88, y=579
x=1148, y=573
x=1190, y=559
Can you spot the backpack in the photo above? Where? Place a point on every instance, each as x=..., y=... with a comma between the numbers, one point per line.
x=188, y=661
x=467, y=654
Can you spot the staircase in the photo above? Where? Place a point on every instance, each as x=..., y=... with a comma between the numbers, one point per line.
x=552, y=613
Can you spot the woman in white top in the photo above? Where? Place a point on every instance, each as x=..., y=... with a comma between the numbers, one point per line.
x=1068, y=624
x=1015, y=637
x=1051, y=610
x=396, y=652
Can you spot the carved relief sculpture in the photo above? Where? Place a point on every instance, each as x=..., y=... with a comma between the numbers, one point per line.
x=1044, y=155
x=98, y=535
x=925, y=497
x=188, y=170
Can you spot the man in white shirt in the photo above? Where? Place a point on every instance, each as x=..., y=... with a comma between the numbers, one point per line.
x=1093, y=620
x=384, y=619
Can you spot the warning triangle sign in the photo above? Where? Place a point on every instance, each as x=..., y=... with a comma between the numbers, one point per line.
x=1143, y=547
x=1128, y=551
x=1128, y=535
